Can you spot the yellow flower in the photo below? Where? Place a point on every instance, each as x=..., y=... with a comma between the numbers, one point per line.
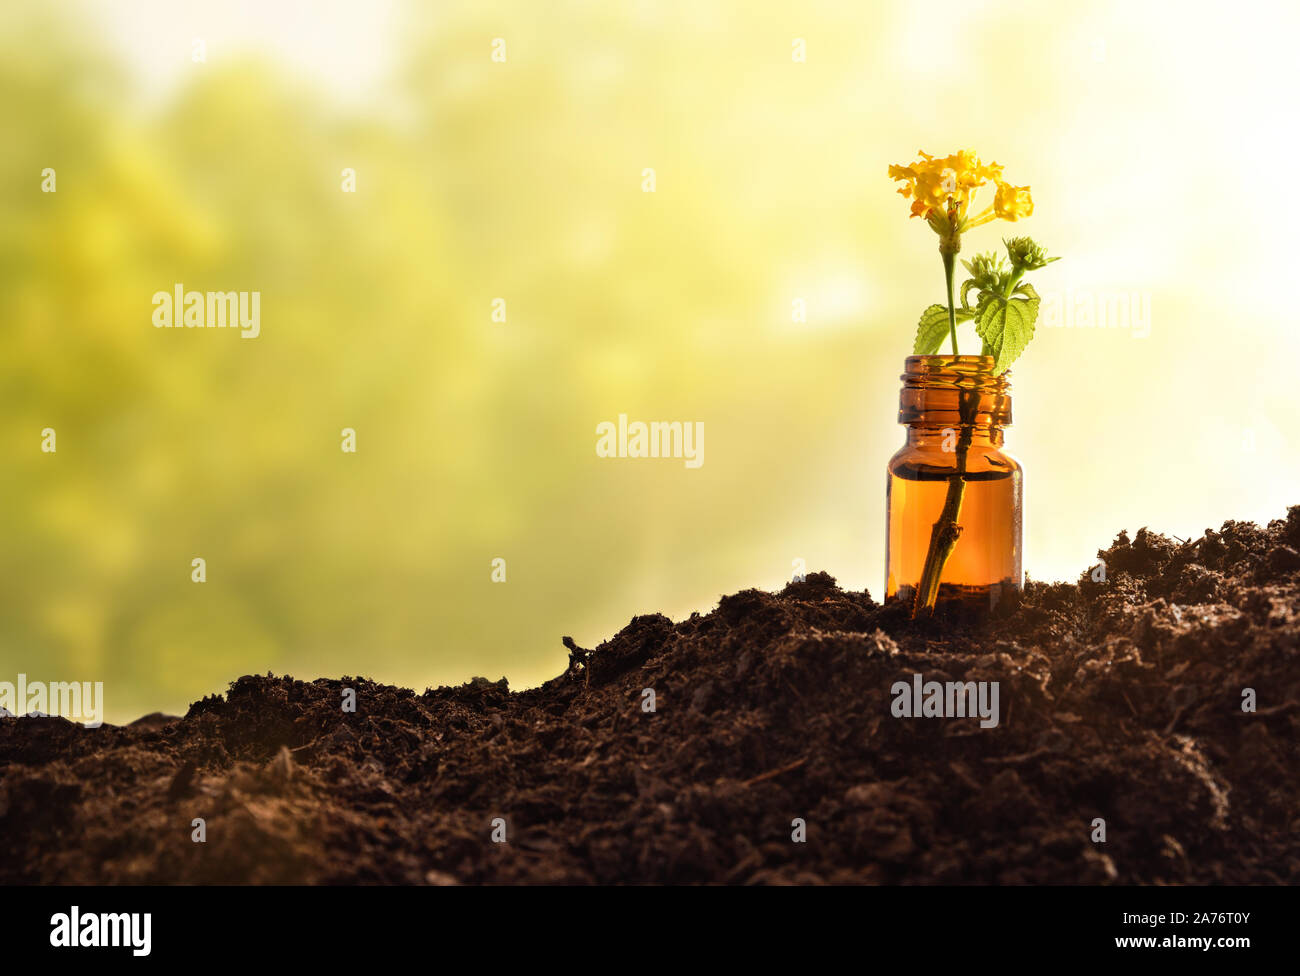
x=941, y=190
x=945, y=184
x=1012, y=202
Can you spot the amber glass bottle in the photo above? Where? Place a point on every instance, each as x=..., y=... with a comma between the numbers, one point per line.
x=953, y=497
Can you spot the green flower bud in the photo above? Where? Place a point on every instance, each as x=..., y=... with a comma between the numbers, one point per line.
x=1026, y=255
x=986, y=270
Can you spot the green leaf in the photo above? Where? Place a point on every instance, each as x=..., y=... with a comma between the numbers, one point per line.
x=932, y=329
x=1006, y=326
x=982, y=301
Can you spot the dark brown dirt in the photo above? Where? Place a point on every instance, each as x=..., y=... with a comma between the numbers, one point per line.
x=1120, y=700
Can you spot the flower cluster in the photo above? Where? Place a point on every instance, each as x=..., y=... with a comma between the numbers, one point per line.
x=941, y=190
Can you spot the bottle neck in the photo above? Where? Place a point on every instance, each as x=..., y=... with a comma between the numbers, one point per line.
x=941, y=392
x=926, y=437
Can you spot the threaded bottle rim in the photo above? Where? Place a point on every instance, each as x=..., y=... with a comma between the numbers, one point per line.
x=954, y=391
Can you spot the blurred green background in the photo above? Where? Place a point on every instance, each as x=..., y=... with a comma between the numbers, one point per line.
x=1159, y=145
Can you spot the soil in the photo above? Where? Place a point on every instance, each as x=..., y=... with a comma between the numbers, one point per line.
x=1120, y=699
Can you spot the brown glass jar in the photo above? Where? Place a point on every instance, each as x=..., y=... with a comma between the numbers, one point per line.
x=953, y=497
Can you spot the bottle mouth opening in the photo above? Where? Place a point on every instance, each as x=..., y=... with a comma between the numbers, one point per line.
x=949, y=357
x=966, y=365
